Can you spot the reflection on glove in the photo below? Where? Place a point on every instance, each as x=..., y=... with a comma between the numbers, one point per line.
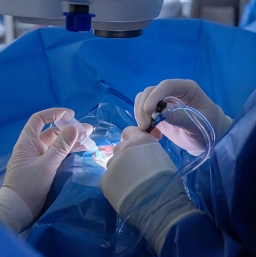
x=137, y=169
x=32, y=167
x=181, y=131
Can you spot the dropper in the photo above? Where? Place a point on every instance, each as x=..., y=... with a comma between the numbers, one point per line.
x=66, y=119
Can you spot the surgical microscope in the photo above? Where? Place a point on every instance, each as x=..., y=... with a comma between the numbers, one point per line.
x=107, y=18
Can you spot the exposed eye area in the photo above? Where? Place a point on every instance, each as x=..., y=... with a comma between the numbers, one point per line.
x=106, y=154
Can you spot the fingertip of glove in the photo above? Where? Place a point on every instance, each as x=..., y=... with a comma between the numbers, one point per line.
x=144, y=122
x=69, y=134
x=149, y=107
x=142, y=126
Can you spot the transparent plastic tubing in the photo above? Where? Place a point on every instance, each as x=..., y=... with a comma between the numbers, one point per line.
x=209, y=136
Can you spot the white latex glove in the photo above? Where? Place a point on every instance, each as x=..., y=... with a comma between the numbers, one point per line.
x=138, y=168
x=32, y=167
x=182, y=131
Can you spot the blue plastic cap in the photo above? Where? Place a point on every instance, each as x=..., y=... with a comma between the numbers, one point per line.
x=159, y=118
x=78, y=22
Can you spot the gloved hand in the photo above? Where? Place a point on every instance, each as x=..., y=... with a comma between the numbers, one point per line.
x=182, y=130
x=32, y=167
x=137, y=169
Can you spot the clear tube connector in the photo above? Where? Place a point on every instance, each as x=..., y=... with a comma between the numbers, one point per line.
x=66, y=119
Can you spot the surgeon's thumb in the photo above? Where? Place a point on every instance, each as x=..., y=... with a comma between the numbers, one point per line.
x=62, y=145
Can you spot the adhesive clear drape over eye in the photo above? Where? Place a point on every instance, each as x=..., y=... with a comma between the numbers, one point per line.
x=208, y=134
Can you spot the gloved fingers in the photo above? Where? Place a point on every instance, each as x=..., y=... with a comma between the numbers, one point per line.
x=77, y=146
x=88, y=127
x=49, y=135
x=136, y=106
x=185, y=90
x=136, y=133
x=133, y=132
x=133, y=136
x=182, y=119
x=195, y=144
x=61, y=147
x=156, y=133
x=38, y=120
x=143, y=117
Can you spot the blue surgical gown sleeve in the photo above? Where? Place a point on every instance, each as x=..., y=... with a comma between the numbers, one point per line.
x=197, y=236
x=229, y=229
x=11, y=245
x=249, y=14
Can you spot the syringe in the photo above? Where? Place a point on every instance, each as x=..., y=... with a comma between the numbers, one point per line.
x=66, y=119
